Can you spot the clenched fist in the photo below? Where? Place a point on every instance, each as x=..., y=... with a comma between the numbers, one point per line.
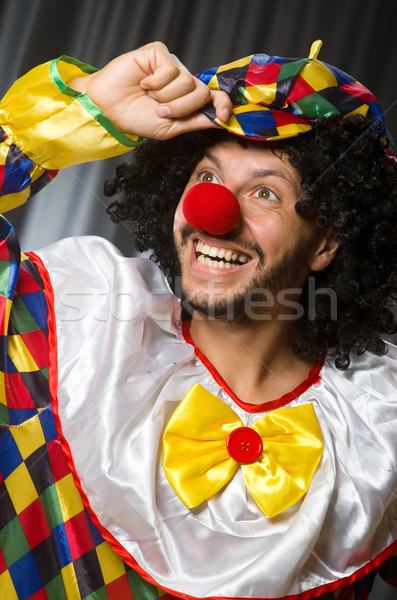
x=148, y=92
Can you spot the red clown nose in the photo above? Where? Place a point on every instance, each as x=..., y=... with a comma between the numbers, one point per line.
x=212, y=208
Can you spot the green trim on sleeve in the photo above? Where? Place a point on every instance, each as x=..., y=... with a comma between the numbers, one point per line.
x=59, y=82
x=89, y=105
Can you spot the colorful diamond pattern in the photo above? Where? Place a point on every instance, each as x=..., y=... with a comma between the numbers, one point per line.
x=49, y=546
x=275, y=90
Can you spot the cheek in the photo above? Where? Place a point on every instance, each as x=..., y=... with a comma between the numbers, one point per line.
x=179, y=219
x=268, y=232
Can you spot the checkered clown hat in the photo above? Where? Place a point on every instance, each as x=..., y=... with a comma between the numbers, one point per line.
x=275, y=98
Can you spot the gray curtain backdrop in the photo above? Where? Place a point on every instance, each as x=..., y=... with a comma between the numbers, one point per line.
x=359, y=37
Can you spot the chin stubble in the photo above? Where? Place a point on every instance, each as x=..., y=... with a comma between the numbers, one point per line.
x=233, y=310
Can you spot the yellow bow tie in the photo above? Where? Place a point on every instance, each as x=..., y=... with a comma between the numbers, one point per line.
x=205, y=443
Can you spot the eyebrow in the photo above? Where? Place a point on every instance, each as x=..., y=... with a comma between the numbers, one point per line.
x=212, y=158
x=260, y=172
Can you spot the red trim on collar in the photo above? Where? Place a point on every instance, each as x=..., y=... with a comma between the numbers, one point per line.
x=312, y=378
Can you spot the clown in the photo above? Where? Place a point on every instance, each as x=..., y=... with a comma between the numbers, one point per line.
x=238, y=442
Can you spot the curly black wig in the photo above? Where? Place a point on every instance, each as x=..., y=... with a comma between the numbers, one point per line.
x=349, y=181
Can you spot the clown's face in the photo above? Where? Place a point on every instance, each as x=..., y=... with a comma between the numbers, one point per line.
x=270, y=249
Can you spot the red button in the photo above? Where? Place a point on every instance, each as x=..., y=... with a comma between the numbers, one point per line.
x=244, y=444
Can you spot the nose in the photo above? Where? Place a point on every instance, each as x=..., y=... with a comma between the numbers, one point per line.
x=212, y=208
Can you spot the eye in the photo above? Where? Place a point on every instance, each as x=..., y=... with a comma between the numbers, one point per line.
x=265, y=194
x=207, y=177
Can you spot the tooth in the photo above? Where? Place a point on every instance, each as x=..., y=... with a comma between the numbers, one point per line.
x=201, y=258
x=205, y=249
x=228, y=255
x=234, y=256
x=208, y=261
x=221, y=252
x=243, y=258
x=213, y=251
x=221, y=264
x=199, y=247
x=227, y=265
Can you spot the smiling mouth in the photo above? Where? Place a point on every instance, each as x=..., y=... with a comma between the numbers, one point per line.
x=222, y=258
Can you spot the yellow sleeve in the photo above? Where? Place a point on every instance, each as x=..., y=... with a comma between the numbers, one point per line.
x=46, y=126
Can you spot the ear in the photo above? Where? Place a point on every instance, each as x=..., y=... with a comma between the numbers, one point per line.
x=325, y=251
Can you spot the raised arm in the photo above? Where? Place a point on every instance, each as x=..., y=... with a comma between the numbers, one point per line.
x=65, y=112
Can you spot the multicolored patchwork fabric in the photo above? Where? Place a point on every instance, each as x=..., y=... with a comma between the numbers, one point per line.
x=275, y=98
x=23, y=321
x=49, y=547
x=20, y=178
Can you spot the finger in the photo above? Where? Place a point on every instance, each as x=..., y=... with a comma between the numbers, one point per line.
x=196, y=121
x=222, y=104
x=159, y=65
x=182, y=85
x=220, y=100
x=187, y=104
x=163, y=75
